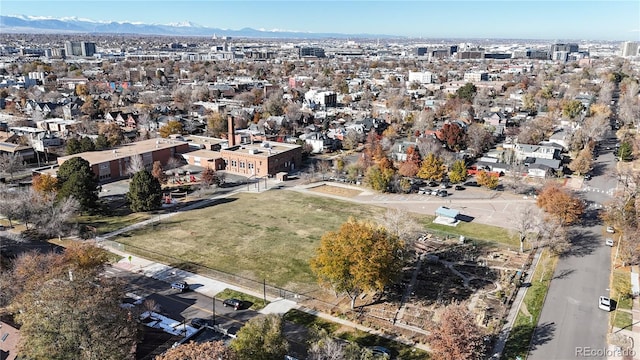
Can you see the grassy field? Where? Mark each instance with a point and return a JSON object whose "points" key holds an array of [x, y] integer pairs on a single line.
{"points": [[622, 319], [359, 337], [256, 303], [524, 325], [269, 236], [621, 289], [113, 221], [474, 231]]}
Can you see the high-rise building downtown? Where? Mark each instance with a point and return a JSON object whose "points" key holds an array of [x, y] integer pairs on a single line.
{"points": [[630, 48], [79, 48]]}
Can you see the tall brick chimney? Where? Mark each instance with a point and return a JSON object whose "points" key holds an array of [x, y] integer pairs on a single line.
{"points": [[231, 135]]}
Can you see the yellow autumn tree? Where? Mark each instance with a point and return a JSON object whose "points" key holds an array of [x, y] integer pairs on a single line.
{"points": [[172, 127], [487, 179], [432, 168], [359, 257], [45, 184]]}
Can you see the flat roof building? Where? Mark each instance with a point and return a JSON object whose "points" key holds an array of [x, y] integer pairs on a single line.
{"points": [[112, 164]]}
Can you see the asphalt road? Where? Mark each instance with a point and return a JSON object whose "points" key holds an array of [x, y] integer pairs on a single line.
{"points": [[189, 305], [570, 320]]}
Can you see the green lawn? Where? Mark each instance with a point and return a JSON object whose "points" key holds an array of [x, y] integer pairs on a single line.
{"points": [[113, 221], [271, 235], [524, 325], [474, 231], [621, 289], [256, 303], [310, 321], [622, 319]]}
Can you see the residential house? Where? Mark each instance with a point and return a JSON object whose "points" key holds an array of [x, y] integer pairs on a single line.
{"points": [[539, 151], [542, 167]]}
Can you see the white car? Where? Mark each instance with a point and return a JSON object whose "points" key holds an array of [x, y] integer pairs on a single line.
{"points": [[604, 303], [609, 242], [611, 230]]}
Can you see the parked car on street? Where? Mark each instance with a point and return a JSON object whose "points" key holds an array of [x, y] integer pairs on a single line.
{"points": [[611, 230], [182, 286], [604, 303], [609, 242], [200, 322], [472, 183], [234, 303], [458, 187]]}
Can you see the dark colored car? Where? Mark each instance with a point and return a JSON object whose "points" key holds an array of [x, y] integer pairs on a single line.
{"points": [[380, 352], [459, 187], [200, 322], [234, 303], [443, 193], [432, 184], [587, 176], [472, 183], [180, 285]]}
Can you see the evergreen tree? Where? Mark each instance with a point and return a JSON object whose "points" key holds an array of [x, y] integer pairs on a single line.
{"points": [[626, 151], [87, 145], [144, 192], [73, 146], [102, 142], [76, 178]]}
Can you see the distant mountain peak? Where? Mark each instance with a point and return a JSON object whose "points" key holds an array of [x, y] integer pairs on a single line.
{"points": [[50, 25]]}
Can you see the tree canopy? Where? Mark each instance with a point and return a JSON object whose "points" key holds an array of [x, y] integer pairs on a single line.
{"points": [[358, 257], [261, 338], [145, 192], [487, 179], [67, 311], [456, 336], [432, 168], [172, 127], [199, 351], [75, 178], [467, 92], [458, 172], [560, 204]]}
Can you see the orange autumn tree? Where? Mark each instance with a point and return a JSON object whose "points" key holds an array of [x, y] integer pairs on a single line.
{"points": [[45, 184], [199, 351], [560, 204], [456, 336], [410, 166], [359, 257]]}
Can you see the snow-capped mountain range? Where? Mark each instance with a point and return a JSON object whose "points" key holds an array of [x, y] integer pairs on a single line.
{"points": [[70, 25]]}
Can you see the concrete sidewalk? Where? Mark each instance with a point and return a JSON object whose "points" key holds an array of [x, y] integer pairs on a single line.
{"points": [[629, 338], [498, 348]]}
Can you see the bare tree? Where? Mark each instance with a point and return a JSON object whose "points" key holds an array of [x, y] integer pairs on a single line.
{"points": [[400, 223], [326, 349], [10, 164], [323, 167], [54, 219], [524, 223], [135, 164]]}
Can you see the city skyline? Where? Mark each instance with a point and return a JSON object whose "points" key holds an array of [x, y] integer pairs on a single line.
{"points": [[563, 20]]}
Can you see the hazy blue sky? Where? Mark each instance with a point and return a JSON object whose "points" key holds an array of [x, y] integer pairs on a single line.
{"points": [[588, 20]]}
